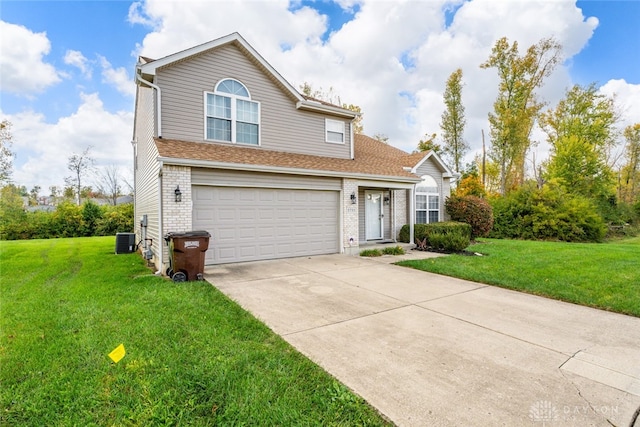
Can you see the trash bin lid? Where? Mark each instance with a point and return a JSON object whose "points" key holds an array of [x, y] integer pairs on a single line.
{"points": [[196, 233]]}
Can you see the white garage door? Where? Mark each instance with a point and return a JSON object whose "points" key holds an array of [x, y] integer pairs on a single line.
{"points": [[249, 224]]}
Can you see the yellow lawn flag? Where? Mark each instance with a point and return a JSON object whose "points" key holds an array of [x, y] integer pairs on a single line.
{"points": [[118, 353]]}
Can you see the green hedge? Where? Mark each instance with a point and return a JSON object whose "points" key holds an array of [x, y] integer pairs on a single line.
{"points": [[449, 236], [68, 220], [548, 213]]}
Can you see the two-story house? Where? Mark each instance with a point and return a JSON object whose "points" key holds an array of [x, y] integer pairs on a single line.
{"points": [[223, 143]]}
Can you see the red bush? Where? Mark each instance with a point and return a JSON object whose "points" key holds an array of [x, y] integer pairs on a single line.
{"points": [[474, 211]]}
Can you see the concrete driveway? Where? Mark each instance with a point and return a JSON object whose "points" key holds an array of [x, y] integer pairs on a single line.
{"points": [[430, 350]]}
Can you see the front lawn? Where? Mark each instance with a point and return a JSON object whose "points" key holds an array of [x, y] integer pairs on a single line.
{"points": [[602, 275], [193, 357]]}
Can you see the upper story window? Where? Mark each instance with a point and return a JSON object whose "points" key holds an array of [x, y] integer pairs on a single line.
{"points": [[427, 201], [334, 131], [231, 115]]}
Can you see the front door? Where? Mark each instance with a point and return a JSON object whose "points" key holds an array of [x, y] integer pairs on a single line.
{"points": [[373, 215]]}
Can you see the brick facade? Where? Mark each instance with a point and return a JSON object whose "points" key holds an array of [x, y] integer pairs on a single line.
{"points": [[350, 241], [401, 212], [177, 215]]}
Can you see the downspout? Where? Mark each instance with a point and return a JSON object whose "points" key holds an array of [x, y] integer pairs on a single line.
{"points": [[352, 141], [160, 236], [412, 214], [158, 104]]}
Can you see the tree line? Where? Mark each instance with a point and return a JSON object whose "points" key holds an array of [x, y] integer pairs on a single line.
{"points": [[75, 212], [592, 174], [588, 186]]}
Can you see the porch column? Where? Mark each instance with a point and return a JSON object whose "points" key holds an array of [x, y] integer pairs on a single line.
{"points": [[412, 213], [350, 234]]}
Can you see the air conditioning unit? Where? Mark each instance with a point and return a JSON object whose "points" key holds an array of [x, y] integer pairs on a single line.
{"points": [[125, 243]]}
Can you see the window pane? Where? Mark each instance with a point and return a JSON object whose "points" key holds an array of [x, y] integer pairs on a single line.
{"points": [[233, 87], [421, 217], [433, 202], [335, 137], [428, 185], [433, 216], [220, 106], [247, 133], [247, 111], [218, 129], [421, 202]]}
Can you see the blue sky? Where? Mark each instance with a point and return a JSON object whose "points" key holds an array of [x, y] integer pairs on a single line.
{"points": [[72, 85]]}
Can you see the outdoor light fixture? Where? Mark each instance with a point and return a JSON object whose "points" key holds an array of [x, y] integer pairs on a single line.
{"points": [[354, 200], [178, 194], [386, 200]]}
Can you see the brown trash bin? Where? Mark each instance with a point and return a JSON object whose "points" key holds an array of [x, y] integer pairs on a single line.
{"points": [[186, 255]]}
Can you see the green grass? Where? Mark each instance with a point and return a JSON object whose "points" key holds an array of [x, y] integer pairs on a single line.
{"points": [[193, 356], [602, 275]]}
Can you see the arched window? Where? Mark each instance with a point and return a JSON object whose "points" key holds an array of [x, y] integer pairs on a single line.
{"points": [[231, 115], [427, 201]]}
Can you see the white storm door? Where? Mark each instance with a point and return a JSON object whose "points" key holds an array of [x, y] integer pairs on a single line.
{"points": [[373, 215]]}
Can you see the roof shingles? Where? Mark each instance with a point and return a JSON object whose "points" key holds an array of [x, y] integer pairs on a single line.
{"points": [[372, 157]]}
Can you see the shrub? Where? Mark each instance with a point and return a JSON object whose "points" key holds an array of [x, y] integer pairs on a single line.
{"points": [[546, 214], [91, 215], [66, 220], [419, 232], [393, 250], [474, 211], [371, 252], [448, 242], [456, 235], [116, 219]]}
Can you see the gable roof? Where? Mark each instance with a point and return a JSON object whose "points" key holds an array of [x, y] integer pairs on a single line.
{"points": [[147, 69], [447, 173], [373, 159]]}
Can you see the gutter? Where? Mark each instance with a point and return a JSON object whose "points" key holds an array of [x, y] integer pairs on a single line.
{"points": [[322, 108]]}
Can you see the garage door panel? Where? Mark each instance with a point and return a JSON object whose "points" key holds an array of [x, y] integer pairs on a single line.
{"points": [[223, 214], [258, 223]]}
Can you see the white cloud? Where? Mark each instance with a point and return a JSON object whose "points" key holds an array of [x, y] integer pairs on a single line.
{"points": [[78, 60], [117, 77], [44, 148], [137, 16], [22, 69], [627, 98], [391, 58]]}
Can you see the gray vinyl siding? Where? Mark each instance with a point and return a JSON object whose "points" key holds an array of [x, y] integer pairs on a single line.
{"points": [[431, 168], [282, 126], [233, 178], [146, 168]]}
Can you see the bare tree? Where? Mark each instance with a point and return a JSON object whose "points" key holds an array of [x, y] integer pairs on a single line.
{"points": [[109, 183], [80, 165], [6, 155]]}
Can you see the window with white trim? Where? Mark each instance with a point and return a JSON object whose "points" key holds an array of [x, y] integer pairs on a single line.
{"points": [[231, 115], [334, 131], [427, 201]]}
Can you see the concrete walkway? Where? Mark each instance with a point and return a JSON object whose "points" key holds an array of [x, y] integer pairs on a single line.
{"points": [[430, 350]]}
